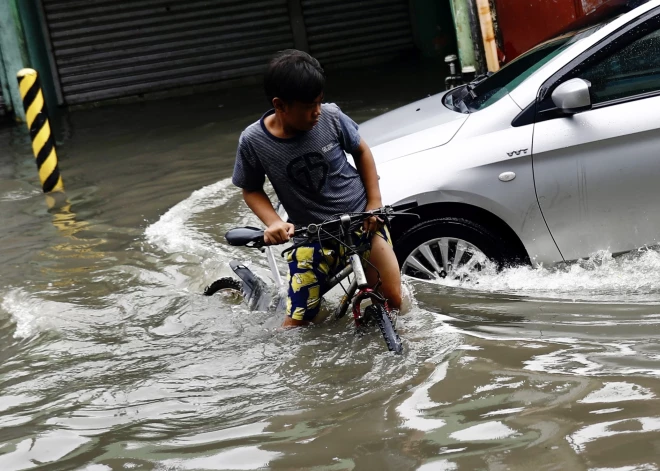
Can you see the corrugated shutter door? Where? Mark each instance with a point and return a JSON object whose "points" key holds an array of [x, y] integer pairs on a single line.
{"points": [[342, 31], [114, 48]]}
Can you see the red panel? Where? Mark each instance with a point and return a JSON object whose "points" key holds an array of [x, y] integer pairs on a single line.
{"points": [[525, 23], [589, 6]]}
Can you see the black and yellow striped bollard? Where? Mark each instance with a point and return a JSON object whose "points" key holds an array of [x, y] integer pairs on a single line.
{"points": [[43, 143]]}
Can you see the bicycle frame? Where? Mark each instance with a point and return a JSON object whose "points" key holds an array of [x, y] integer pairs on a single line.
{"points": [[359, 289], [359, 282], [253, 237]]}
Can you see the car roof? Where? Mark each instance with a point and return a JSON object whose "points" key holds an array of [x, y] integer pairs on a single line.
{"points": [[526, 92]]}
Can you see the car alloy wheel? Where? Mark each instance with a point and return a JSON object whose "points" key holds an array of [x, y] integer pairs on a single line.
{"points": [[444, 257], [451, 247]]}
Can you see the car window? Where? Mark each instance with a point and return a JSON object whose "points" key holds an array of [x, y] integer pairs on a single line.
{"points": [[634, 70], [520, 69], [485, 92], [527, 67]]}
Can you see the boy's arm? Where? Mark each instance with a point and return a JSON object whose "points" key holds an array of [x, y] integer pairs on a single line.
{"points": [[250, 176], [366, 167], [278, 231], [351, 142]]}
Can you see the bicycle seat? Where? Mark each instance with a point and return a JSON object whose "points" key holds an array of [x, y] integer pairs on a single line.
{"points": [[245, 236]]}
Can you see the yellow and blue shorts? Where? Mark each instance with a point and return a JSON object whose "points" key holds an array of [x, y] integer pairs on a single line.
{"points": [[311, 264]]}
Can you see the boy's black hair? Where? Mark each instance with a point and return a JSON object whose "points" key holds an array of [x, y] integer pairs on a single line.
{"points": [[294, 75]]}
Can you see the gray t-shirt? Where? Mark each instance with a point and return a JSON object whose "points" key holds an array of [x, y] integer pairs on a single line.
{"points": [[310, 173]]}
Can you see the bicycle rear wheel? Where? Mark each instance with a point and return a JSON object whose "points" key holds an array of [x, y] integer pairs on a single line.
{"points": [[227, 283], [380, 315]]}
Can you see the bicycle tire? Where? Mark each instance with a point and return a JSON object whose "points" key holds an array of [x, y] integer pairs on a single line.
{"points": [[226, 283], [388, 330]]}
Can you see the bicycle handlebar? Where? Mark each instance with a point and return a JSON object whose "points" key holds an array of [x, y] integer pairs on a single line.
{"points": [[253, 237], [349, 219]]}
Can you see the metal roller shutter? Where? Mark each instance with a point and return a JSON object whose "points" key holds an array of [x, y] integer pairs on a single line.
{"points": [[114, 48], [342, 31]]}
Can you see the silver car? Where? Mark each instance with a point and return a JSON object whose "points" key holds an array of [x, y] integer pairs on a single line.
{"points": [[551, 159]]}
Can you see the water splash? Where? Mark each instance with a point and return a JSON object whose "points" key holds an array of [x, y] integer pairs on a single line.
{"points": [[26, 311], [602, 277], [174, 231]]}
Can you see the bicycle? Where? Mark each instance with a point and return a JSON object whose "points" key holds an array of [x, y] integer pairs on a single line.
{"points": [[340, 229]]}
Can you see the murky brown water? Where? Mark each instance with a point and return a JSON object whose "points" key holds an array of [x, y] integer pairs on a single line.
{"points": [[112, 360]]}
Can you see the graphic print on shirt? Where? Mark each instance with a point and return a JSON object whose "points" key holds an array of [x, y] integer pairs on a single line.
{"points": [[308, 172], [329, 147]]}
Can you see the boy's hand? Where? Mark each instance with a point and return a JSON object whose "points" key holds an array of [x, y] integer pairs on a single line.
{"points": [[373, 224], [278, 232]]}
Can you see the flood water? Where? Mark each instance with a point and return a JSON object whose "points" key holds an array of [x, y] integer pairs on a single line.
{"points": [[111, 359]]}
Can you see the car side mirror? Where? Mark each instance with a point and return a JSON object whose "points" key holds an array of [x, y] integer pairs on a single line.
{"points": [[572, 96]]}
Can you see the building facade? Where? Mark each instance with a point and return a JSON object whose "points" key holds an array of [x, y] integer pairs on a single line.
{"points": [[94, 50], [105, 49]]}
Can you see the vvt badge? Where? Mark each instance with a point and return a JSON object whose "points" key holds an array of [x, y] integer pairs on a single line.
{"points": [[309, 172]]}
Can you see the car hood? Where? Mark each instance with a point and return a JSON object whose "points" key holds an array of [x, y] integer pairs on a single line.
{"points": [[412, 128]]}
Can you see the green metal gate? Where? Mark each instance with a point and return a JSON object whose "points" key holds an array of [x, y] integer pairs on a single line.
{"points": [[3, 109]]}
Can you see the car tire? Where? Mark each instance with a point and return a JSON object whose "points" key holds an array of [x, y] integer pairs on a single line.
{"points": [[455, 234]]}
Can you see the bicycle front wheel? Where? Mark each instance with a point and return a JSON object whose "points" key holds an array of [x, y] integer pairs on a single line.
{"points": [[388, 330]]}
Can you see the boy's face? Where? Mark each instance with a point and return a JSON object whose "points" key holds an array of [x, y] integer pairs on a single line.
{"points": [[298, 115]]}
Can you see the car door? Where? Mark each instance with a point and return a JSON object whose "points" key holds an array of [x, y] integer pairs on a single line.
{"points": [[597, 172]]}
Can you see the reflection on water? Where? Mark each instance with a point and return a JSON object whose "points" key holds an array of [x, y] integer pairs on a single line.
{"points": [[112, 359]]}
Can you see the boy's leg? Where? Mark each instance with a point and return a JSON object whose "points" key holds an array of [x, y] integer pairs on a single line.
{"points": [[308, 271], [290, 322], [383, 258]]}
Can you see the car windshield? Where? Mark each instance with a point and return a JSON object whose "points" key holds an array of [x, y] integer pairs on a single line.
{"points": [[486, 90]]}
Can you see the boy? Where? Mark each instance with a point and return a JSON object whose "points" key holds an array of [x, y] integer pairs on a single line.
{"points": [[299, 145]]}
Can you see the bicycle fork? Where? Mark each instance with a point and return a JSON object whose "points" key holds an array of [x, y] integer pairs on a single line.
{"points": [[359, 282]]}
